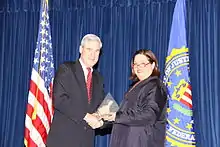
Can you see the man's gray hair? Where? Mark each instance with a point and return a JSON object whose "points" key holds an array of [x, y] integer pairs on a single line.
{"points": [[91, 37]]}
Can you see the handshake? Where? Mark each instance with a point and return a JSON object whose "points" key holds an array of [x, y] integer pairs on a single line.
{"points": [[96, 120], [106, 111]]}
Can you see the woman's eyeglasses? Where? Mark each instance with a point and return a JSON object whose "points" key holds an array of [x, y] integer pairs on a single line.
{"points": [[141, 65]]}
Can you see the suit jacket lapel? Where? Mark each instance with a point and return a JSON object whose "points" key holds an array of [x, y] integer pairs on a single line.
{"points": [[80, 78]]}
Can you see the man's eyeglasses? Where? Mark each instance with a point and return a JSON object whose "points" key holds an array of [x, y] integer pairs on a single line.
{"points": [[141, 65]]}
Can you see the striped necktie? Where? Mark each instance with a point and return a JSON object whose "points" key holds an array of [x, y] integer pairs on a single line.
{"points": [[89, 84]]}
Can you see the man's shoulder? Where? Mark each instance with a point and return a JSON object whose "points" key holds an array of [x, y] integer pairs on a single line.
{"points": [[69, 64], [66, 67]]}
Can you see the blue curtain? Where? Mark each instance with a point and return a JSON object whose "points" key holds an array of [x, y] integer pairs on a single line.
{"points": [[124, 26], [205, 69]]}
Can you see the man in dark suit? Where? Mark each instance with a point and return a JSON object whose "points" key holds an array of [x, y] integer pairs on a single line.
{"points": [[78, 91]]}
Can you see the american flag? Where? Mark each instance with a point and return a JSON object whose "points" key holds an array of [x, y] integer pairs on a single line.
{"points": [[39, 111]]}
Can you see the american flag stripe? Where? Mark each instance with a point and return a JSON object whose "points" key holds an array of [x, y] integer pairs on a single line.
{"points": [[40, 99], [188, 96], [186, 103], [39, 111], [187, 99], [28, 139], [189, 87], [188, 93], [33, 133], [37, 80], [37, 123], [41, 124]]}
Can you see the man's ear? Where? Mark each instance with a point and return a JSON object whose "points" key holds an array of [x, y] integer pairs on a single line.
{"points": [[80, 49]]}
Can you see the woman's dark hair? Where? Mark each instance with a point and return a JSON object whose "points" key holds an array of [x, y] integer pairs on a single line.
{"points": [[151, 58]]}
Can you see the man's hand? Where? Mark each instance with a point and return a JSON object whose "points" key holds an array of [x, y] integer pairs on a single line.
{"points": [[93, 120], [96, 125], [97, 115]]}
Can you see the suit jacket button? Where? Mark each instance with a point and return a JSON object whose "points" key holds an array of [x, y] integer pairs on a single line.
{"points": [[85, 128]]}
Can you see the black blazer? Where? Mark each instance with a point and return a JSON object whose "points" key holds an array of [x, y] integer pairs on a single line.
{"points": [[141, 119], [68, 128]]}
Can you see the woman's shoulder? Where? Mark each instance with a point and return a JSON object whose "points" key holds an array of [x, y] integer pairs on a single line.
{"points": [[153, 82]]}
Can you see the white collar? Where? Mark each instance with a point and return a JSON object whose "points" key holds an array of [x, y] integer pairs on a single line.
{"points": [[85, 71]]}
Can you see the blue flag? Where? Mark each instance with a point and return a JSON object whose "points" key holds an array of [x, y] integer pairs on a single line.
{"points": [[180, 127]]}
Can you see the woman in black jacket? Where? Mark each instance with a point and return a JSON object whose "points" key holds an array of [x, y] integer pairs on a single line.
{"points": [[141, 119]]}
